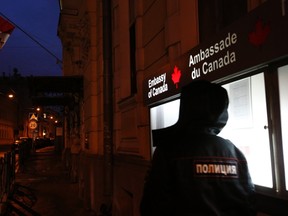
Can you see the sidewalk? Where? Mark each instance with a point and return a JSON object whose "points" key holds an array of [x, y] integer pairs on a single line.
{"points": [[45, 175]]}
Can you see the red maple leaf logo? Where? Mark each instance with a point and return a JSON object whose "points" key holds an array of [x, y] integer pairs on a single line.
{"points": [[260, 33], [176, 76]]}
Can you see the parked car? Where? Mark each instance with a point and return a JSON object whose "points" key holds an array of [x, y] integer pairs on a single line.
{"points": [[22, 141]]}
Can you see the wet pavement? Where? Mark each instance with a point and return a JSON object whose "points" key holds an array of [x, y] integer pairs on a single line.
{"points": [[46, 178]]}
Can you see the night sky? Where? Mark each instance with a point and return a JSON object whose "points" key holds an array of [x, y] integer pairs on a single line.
{"points": [[39, 19]]}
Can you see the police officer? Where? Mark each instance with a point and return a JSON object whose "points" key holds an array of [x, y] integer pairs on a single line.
{"points": [[194, 171]]}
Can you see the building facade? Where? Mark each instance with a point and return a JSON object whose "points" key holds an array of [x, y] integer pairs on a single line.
{"points": [[135, 56], [14, 96], [8, 119]]}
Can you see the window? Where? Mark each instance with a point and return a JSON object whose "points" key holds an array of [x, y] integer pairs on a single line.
{"points": [[164, 115], [283, 94], [132, 34], [214, 15], [247, 126], [133, 59], [263, 141]]}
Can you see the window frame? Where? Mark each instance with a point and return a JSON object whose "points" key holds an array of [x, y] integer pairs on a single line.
{"points": [[270, 72]]}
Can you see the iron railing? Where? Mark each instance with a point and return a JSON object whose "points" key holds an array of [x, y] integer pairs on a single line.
{"points": [[9, 164]]}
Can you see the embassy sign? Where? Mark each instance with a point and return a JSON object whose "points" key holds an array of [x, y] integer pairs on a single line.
{"points": [[157, 85], [255, 40], [205, 59]]}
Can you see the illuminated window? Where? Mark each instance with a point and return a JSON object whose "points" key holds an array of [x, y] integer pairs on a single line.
{"points": [[164, 115], [247, 126], [283, 93]]}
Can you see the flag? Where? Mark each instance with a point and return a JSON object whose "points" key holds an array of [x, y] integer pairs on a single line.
{"points": [[6, 29]]}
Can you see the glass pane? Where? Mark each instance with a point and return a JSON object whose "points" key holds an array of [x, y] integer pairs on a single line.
{"points": [[283, 92], [164, 115], [246, 126]]}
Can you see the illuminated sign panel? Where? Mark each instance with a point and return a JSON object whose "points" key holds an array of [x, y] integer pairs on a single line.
{"points": [[256, 39], [202, 57], [157, 85]]}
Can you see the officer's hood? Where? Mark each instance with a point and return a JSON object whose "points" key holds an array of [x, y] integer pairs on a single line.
{"points": [[203, 109]]}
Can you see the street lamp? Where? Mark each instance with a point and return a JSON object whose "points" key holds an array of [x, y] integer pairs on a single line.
{"points": [[10, 95]]}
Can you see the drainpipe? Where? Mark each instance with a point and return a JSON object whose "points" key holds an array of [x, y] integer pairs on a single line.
{"points": [[108, 98]]}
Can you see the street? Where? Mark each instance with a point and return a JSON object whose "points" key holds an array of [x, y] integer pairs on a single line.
{"points": [[44, 174]]}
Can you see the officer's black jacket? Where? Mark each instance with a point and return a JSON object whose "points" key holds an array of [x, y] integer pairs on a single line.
{"points": [[194, 171]]}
